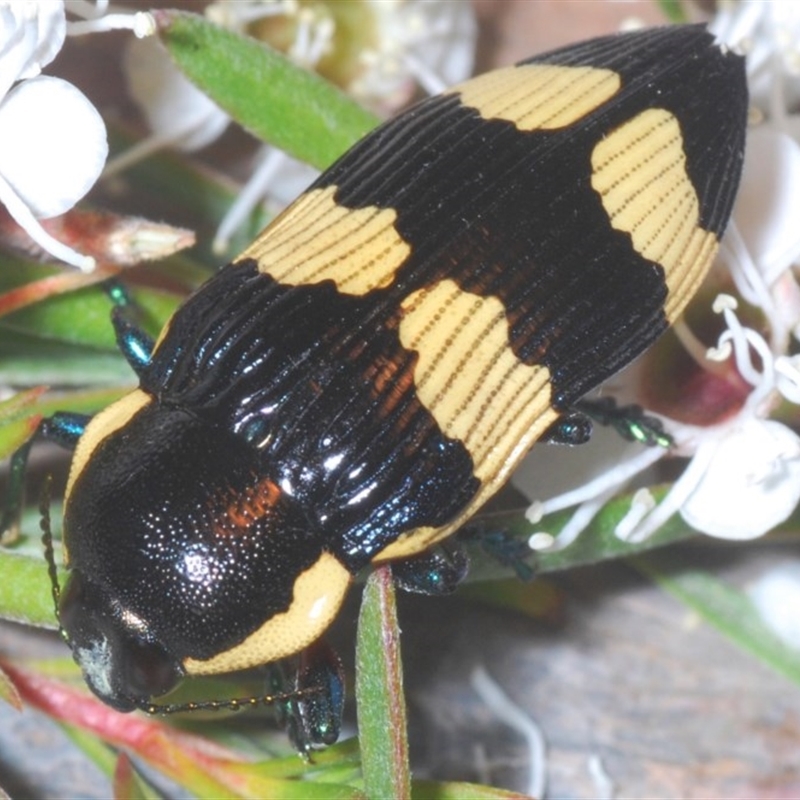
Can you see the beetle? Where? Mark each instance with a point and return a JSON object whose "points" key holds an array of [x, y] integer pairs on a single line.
{"points": [[354, 386]]}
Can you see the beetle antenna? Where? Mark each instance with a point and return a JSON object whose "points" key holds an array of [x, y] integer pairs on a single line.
{"points": [[47, 541], [234, 704]]}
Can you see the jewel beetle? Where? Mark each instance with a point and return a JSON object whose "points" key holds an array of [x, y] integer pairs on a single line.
{"points": [[371, 369]]}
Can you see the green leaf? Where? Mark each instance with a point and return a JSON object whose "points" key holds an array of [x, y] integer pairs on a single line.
{"points": [[342, 755], [673, 10], [26, 360], [726, 608], [128, 784], [82, 317], [432, 790], [600, 541], [9, 693], [18, 420], [92, 747], [17, 429], [25, 594], [294, 109], [379, 691]]}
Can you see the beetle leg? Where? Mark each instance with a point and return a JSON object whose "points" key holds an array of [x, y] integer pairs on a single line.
{"points": [[629, 421], [572, 428], [133, 342], [64, 429], [436, 572], [311, 718], [507, 550], [318, 716]]}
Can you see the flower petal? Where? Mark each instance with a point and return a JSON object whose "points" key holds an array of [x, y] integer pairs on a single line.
{"points": [[31, 35], [52, 144], [768, 205], [752, 482], [776, 595]]}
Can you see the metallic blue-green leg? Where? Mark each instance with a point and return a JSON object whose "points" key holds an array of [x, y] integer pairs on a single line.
{"points": [[318, 709], [507, 550], [63, 429], [630, 422], [437, 572], [312, 714], [572, 428], [133, 342]]}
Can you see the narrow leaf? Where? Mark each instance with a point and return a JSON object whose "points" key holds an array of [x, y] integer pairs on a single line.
{"points": [[598, 542], [83, 316], [379, 692], [14, 432], [20, 404], [26, 361], [8, 692], [93, 748], [673, 10], [25, 594], [290, 107], [206, 769], [113, 240], [431, 790], [342, 755], [726, 608], [128, 785], [181, 756], [33, 292]]}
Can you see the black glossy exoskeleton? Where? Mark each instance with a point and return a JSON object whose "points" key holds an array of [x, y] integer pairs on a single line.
{"points": [[373, 367]]}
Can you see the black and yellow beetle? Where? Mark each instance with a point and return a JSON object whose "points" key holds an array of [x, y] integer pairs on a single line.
{"points": [[372, 368]]}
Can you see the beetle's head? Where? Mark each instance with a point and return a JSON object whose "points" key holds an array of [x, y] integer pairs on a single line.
{"points": [[184, 556], [121, 662]]}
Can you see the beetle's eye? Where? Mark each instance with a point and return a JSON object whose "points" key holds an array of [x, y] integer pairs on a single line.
{"points": [[148, 670], [120, 665]]}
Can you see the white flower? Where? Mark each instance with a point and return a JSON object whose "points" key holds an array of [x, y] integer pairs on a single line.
{"points": [[43, 172], [768, 31], [50, 173], [751, 481], [180, 115], [31, 35], [52, 140], [743, 477], [776, 596]]}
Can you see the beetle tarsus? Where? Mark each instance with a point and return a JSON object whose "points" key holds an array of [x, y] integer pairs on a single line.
{"points": [[631, 421], [437, 572]]}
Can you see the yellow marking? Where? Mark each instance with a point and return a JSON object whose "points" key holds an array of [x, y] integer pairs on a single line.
{"points": [[100, 427], [639, 171], [162, 334], [539, 96], [474, 386], [315, 239], [318, 595]]}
